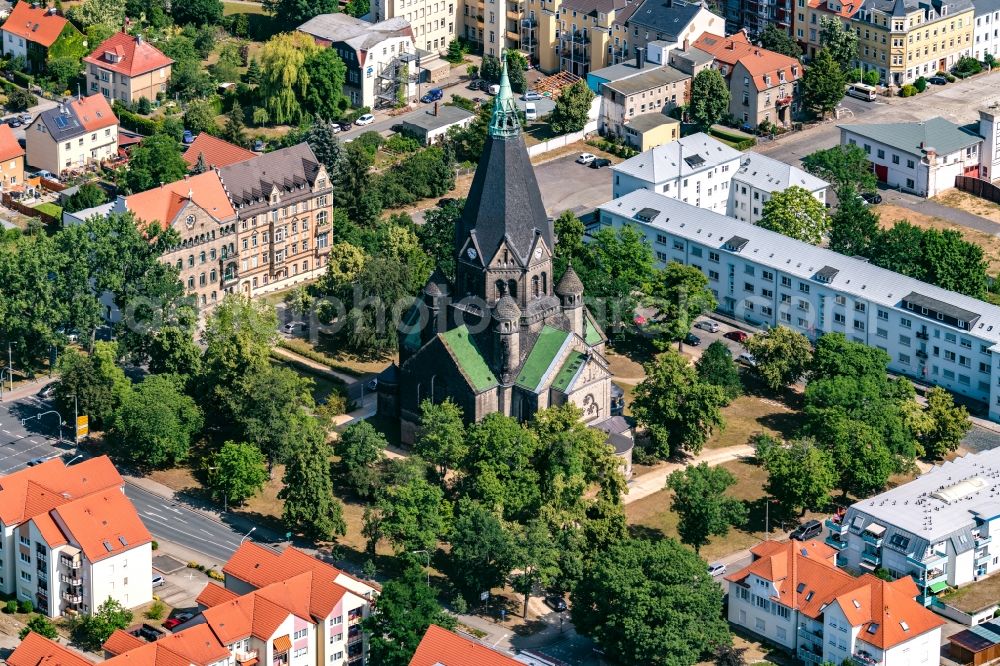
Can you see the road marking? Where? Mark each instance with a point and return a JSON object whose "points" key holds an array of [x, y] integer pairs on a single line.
{"points": [[8, 432]]}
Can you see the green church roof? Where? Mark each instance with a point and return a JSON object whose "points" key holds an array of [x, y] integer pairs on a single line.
{"points": [[469, 359], [569, 371], [591, 334], [543, 354]]}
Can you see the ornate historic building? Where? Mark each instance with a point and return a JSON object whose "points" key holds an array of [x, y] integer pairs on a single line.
{"points": [[504, 337]]}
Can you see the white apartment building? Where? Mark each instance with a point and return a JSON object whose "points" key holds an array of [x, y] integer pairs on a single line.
{"points": [[986, 31], [921, 157], [938, 528], [70, 539], [759, 177], [696, 169], [793, 594], [432, 21], [767, 279]]}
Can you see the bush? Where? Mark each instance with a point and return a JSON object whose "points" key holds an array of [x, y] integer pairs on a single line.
{"points": [[26, 606], [855, 75], [216, 575], [135, 122], [920, 84], [10, 606], [908, 90], [951, 78], [156, 611], [22, 79], [872, 78], [399, 143], [968, 65], [156, 544]]}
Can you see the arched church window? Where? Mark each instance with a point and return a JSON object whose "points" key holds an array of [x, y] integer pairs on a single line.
{"points": [[545, 284], [512, 288], [534, 286]]}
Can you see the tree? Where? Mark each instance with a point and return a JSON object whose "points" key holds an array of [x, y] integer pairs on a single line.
{"points": [[617, 265], [91, 631], [20, 100], [361, 449], [156, 160], [196, 12], [860, 453], [406, 607], [86, 196], [795, 212], [800, 475], [836, 356], [344, 265], [109, 14], [284, 78], [954, 263], [839, 41], [775, 39], [411, 515], [947, 423], [716, 367], [327, 148], [235, 131], [680, 294], [572, 109], [483, 551], [441, 438], [709, 98], [324, 98], [823, 84], [97, 382], [200, 117], [516, 64], [490, 69], [359, 8], [727, 655], [273, 412], [678, 410], [42, 626], [781, 356], [569, 231], [854, 228], [437, 235], [237, 472], [310, 506], [292, 13], [227, 67], [702, 507], [253, 74], [456, 54], [650, 602], [173, 350], [498, 468], [536, 558], [155, 423]]}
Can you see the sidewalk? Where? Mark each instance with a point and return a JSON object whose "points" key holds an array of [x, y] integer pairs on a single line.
{"points": [[655, 480], [27, 388]]}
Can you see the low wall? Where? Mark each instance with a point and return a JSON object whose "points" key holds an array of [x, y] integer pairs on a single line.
{"points": [[562, 141], [962, 617]]}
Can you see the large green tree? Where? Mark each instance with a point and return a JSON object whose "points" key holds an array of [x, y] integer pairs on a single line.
{"points": [[844, 167], [156, 422], [285, 79], [678, 410], [775, 39], [537, 559], [91, 631], [854, 227], [87, 195], [498, 469], [823, 84], [156, 160], [93, 385], [795, 212], [700, 502], [324, 98], [237, 472], [196, 12], [781, 356], [946, 424], [40, 625], [361, 449], [293, 13], [441, 438], [437, 235], [483, 551], [411, 516], [839, 40], [172, 350], [715, 366], [650, 602], [310, 505], [680, 294], [709, 98], [572, 108], [275, 406], [800, 475], [617, 265]]}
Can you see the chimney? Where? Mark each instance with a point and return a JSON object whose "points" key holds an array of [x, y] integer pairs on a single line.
{"points": [[687, 43], [138, 39]]}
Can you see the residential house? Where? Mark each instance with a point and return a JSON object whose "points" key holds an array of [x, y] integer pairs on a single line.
{"points": [[11, 160], [695, 168], [36, 650], [656, 90], [71, 539], [128, 68], [32, 30], [986, 34], [284, 207], [763, 85], [73, 135], [809, 14], [440, 647], [195, 646], [793, 594], [432, 22], [938, 528], [754, 15], [494, 25], [936, 336], [662, 25], [199, 210], [211, 152], [759, 177], [905, 39], [920, 157], [431, 125], [650, 130]]}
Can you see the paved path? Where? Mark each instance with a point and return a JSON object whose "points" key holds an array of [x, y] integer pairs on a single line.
{"points": [[655, 480]]}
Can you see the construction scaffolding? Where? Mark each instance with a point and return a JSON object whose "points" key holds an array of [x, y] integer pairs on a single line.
{"points": [[387, 82], [551, 86]]}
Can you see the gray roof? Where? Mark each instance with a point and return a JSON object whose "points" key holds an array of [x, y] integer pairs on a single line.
{"points": [[903, 7], [593, 7], [622, 70], [771, 175], [986, 6], [447, 116], [667, 18], [62, 123], [693, 55], [647, 80], [252, 180], [648, 121], [361, 35], [660, 163], [855, 277], [914, 138]]}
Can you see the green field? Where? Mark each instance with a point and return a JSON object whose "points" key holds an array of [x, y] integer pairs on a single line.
{"points": [[50, 209]]}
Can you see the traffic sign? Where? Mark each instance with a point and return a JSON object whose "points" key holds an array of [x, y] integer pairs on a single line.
{"points": [[82, 426]]}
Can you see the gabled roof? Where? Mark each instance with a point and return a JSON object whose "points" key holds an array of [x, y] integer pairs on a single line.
{"points": [[121, 641], [287, 170], [128, 55], [469, 359], [214, 595], [34, 24], [726, 50], [540, 361], [216, 152], [34, 490], [103, 524], [9, 146], [194, 646], [440, 647], [77, 117], [759, 62], [36, 650], [257, 613], [683, 157], [771, 175], [917, 138], [668, 18], [356, 33], [162, 204]]}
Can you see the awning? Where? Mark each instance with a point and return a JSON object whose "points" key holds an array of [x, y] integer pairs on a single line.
{"points": [[875, 529], [938, 586], [282, 643], [250, 662]]}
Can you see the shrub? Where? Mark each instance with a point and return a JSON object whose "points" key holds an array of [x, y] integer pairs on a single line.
{"points": [[156, 544], [156, 611], [920, 84], [216, 575], [855, 75], [144, 107], [872, 78], [908, 90], [951, 78], [399, 143], [26, 606], [10, 606], [968, 65]]}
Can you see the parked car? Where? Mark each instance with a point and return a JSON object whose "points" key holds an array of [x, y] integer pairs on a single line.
{"points": [[171, 622], [714, 569], [26, 118], [13, 122], [476, 84], [47, 175], [586, 158], [709, 325], [188, 136], [806, 531], [432, 95], [292, 326], [600, 163], [158, 581], [747, 358], [873, 198], [556, 602], [692, 340], [184, 617], [258, 146], [49, 391], [366, 119], [530, 111], [937, 80], [737, 336], [532, 96], [36, 461]]}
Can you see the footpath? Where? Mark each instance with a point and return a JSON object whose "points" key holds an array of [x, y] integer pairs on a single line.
{"points": [[655, 480]]}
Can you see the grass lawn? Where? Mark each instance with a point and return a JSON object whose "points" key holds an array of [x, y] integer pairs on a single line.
{"points": [[50, 209], [230, 8], [752, 414], [975, 597]]}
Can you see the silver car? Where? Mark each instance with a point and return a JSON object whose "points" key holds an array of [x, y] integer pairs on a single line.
{"points": [[716, 569], [709, 325]]}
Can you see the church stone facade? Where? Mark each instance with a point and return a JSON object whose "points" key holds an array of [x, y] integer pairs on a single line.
{"points": [[503, 337]]}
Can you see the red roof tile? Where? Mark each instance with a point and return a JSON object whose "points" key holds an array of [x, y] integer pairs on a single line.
{"points": [[121, 641], [216, 152], [132, 55], [37, 489], [34, 24], [9, 147], [36, 650], [162, 204], [213, 595], [444, 648], [94, 112], [104, 524]]}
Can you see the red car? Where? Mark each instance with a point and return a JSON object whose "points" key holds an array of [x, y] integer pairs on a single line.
{"points": [[737, 336], [170, 623]]}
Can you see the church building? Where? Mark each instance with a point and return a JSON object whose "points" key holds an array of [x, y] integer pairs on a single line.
{"points": [[504, 336]]}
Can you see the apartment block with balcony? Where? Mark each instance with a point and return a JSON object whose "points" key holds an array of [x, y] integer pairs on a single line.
{"points": [[128, 68], [936, 336], [754, 15], [664, 25], [905, 39], [810, 13], [69, 540], [793, 594]]}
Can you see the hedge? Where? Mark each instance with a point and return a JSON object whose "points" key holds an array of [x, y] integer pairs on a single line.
{"points": [[734, 135], [303, 349], [22, 79], [135, 122]]}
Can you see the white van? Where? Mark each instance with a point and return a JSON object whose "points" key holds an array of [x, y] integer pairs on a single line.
{"points": [[862, 91], [530, 112]]}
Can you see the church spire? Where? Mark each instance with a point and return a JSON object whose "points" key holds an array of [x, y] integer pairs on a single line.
{"points": [[504, 121]]}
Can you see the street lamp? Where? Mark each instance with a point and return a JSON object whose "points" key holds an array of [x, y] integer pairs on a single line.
{"points": [[76, 428], [428, 555], [245, 536], [10, 364]]}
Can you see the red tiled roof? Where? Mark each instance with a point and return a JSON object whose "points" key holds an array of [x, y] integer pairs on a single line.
{"points": [[249, 615], [34, 24], [282, 643], [37, 489], [104, 524], [162, 204], [133, 55], [194, 646], [213, 595], [35, 650], [442, 647], [94, 112], [9, 147], [758, 62], [217, 153], [121, 641]]}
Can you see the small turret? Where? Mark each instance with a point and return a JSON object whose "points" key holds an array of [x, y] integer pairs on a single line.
{"points": [[570, 293], [507, 315]]}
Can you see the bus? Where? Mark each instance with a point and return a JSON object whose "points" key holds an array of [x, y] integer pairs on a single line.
{"points": [[862, 91]]}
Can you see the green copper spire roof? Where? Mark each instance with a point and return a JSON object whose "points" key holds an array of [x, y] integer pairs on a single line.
{"points": [[504, 121]]}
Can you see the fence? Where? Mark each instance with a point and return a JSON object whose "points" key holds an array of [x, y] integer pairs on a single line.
{"points": [[983, 189], [9, 202], [562, 141]]}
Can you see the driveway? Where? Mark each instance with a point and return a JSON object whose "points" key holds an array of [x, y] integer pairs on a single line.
{"points": [[566, 185]]}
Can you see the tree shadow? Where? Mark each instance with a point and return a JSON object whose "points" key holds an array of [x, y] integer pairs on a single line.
{"points": [[645, 533]]}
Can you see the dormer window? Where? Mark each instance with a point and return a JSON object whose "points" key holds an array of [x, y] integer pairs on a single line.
{"points": [[111, 56]]}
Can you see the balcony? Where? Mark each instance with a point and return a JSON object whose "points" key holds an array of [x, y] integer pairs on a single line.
{"points": [[982, 558], [810, 657], [243, 657], [865, 659], [835, 527], [70, 562], [923, 335], [983, 540], [873, 559], [921, 354], [354, 617], [873, 539], [71, 597], [73, 581], [835, 543], [810, 634]]}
